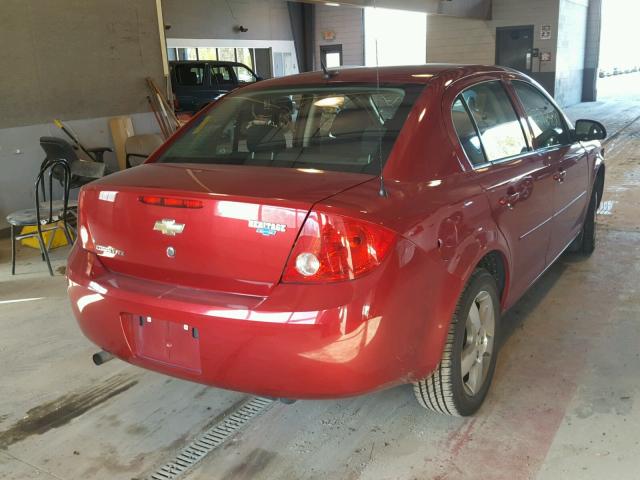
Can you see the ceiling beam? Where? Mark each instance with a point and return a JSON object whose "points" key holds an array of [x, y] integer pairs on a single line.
{"points": [[456, 8]]}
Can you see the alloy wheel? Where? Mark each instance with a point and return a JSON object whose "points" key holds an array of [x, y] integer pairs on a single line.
{"points": [[478, 343]]}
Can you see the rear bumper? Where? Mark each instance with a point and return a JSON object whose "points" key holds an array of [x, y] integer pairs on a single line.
{"points": [[316, 341]]}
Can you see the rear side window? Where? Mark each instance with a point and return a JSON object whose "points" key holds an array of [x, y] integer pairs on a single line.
{"points": [[220, 75], [350, 128], [546, 122], [190, 75], [467, 132], [496, 120]]}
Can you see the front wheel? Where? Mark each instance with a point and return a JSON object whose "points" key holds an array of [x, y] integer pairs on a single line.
{"points": [[460, 383], [585, 243]]}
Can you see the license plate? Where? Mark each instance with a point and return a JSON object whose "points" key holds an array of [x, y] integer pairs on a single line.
{"points": [[171, 343]]}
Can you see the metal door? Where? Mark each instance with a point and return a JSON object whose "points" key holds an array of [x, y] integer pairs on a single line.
{"points": [[263, 62], [514, 47]]}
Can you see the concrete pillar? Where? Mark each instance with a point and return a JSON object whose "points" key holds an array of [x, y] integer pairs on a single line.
{"points": [[592, 51]]}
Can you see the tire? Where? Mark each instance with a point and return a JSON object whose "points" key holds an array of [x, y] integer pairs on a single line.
{"points": [[446, 390], [585, 243]]}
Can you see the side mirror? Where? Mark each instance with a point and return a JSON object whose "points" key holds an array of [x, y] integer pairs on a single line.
{"points": [[587, 130]]}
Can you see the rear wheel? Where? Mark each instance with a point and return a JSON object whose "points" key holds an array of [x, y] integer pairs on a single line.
{"points": [[460, 383]]}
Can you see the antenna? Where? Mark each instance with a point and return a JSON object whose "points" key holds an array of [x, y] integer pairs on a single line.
{"points": [[382, 191], [327, 73]]}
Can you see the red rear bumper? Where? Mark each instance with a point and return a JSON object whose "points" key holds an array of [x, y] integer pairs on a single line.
{"points": [[311, 341]]}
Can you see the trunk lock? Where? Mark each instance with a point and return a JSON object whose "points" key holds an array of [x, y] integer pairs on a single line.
{"points": [[171, 252]]}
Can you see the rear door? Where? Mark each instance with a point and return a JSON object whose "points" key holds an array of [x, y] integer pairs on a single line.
{"points": [[191, 86], [568, 161], [517, 180], [222, 78]]}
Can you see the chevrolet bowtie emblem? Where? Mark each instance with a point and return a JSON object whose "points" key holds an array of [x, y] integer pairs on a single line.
{"points": [[169, 227]]}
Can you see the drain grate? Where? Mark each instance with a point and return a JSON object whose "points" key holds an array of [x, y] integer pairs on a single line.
{"points": [[606, 208], [212, 438]]}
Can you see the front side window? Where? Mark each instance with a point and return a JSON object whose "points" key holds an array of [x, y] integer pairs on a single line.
{"points": [[343, 128], [244, 75], [546, 122], [497, 122], [189, 74]]}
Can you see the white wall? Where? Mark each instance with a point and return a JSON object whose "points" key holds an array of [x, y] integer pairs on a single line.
{"points": [[572, 36]]}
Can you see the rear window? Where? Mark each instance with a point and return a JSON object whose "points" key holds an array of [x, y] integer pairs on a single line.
{"points": [[344, 128]]}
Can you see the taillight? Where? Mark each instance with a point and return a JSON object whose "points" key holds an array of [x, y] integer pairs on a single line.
{"points": [[170, 202], [83, 231], [332, 248]]}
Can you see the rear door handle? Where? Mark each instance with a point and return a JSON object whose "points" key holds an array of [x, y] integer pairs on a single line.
{"points": [[509, 200], [560, 175]]}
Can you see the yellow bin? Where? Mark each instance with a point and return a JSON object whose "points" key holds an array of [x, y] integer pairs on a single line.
{"points": [[59, 239]]}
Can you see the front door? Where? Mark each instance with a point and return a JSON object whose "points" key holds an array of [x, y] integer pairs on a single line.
{"points": [[567, 160], [514, 47]]}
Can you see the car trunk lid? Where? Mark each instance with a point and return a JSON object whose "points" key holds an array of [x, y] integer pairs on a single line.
{"points": [[233, 231]]}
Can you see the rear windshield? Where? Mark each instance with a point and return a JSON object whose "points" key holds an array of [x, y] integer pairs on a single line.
{"points": [[344, 128]]}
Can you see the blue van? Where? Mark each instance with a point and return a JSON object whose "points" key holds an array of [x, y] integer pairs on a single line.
{"points": [[196, 83]]}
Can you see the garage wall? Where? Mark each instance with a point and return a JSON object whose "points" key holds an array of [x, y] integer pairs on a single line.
{"points": [[75, 59], [82, 61], [209, 19], [348, 25], [473, 41], [446, 44], [572, 36]]}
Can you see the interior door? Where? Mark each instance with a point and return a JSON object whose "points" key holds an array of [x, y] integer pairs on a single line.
{"points": [[518, 182], [262, 59], [331, 55], [567, 160], [514, 47]]}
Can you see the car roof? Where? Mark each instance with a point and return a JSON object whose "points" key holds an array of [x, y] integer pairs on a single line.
{"points": [[409, 74]]}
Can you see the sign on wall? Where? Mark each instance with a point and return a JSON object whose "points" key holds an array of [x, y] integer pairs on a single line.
{"points": [[328, 35], [545, 32]]}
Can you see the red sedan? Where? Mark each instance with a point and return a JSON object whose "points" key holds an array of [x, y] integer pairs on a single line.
{"points": [[321, 236]]}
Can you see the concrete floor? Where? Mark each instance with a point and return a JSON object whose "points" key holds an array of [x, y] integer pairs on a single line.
{"points": [[565, 402]]}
